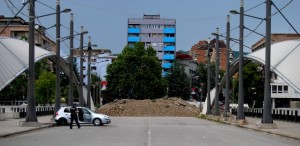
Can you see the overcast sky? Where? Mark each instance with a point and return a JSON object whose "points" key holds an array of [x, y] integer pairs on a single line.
{"points": [[106, 20]]}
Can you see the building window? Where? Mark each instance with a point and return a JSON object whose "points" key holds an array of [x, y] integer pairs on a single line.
{"points": [[274, 89], [279, 89], [93, 68], [285, 89]]}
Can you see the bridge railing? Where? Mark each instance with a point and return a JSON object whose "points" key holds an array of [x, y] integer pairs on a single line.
{"points": [[285, 114], [20, 112]]}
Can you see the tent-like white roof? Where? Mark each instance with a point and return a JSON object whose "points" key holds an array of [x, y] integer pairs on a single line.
{"points": [[284, 61], [14, 56]]}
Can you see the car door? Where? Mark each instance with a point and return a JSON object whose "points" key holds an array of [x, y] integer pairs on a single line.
{"points": [[87, 116], [67, 114]]}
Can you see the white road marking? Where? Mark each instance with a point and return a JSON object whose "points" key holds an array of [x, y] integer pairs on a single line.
{"points": [[149, 133]]}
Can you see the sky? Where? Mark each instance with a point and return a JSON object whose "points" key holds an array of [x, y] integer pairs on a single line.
{"points": [[106, 20]]}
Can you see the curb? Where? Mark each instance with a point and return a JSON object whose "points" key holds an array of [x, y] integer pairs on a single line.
{"points": [[254, 129], [29, 130], [269, 132]]}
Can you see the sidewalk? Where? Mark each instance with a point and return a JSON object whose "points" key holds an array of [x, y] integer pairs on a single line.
{"points": [[284, 128], [11, 126]]}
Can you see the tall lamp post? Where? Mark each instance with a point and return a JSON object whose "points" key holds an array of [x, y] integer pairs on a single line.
{"points": [[31, 111], [217, 105], [81, 101], [89, 74], [57, 91], [267, 114], [71, 99], [227, 67], [241, 115], [208, 111]]}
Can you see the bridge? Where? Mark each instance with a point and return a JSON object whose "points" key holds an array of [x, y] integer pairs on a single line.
{"points": [[14, 61], [284, 58]]}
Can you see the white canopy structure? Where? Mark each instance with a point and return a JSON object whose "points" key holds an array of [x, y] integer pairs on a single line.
{"points": [[284, 61], [14, 58]]}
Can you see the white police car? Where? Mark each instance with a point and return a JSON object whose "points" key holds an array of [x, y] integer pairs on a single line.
{"points": [[85, 116]]}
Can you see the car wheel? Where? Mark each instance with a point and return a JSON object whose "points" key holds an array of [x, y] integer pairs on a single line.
{"points": [[62, 122], [97, 122]]}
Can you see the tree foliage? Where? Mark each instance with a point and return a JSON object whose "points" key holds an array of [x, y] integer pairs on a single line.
{"points": [[201, 73], [253, 85], [45, 88], [178, 82], [136, 74]]}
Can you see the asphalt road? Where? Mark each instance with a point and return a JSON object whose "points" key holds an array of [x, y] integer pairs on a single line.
{"points": [[149, 131]]}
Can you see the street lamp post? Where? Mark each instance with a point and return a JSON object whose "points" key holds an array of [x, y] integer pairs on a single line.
{"points": [[71, 99], [241, 115], [31, 111], [227, 67], [81, 101], [267, 114], [57, 91], [89, 75], [217, 105], [208, 111]]}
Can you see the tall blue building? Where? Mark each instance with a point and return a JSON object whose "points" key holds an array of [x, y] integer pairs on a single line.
{"points": [[159, 33]]}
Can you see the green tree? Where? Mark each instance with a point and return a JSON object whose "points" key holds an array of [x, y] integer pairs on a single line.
{"points": [[253, 85], [136, 74], [178, 82], [45, 88], [201, 72]]}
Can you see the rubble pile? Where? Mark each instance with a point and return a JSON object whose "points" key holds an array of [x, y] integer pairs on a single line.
{"points": [[169, 107]]}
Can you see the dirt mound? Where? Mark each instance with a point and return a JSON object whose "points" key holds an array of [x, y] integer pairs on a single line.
{"points": [[156, 107]]}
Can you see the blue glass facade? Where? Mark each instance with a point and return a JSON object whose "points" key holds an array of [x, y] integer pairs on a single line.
{"points": [[133, 30], [167, 65], [133, 39], [168, 57], [169, 30], [169, 48], [169, 39]]}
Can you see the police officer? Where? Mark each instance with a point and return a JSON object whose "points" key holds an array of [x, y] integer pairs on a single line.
{"points": [[74, 116]]}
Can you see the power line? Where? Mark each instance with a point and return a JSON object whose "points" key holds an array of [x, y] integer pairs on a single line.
{"points": [[46, 5], [13, 18], [12, 11], [17, 8], [286, 18], [282, 7], [255, 6]]}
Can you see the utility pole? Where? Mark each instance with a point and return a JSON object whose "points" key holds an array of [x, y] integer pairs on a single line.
{"points": [[217, 105], [71, 99], [89, 74], [31, 111], [227, 66], [240, 113], [267, 115], [57, 91], [81, 101], [208, 111]]}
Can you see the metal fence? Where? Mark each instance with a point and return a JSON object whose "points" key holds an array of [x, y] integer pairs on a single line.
{"points": [[292, 115], [20, 112]]}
